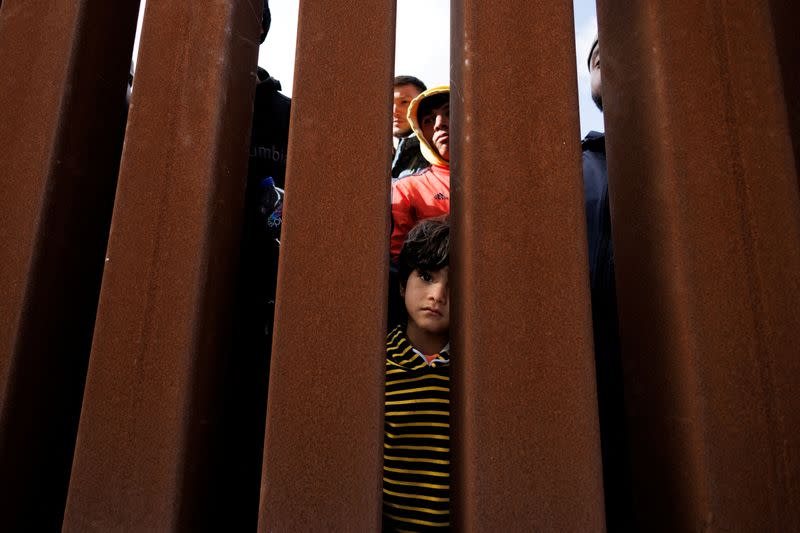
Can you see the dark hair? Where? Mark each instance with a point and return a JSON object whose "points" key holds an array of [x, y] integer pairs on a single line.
{"points": [[266, 20], [430, 103], [595, 44], [427, 247], [410, 80]]}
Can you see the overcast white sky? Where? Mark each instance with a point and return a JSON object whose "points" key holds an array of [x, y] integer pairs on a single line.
{"points": [[429, 61]]}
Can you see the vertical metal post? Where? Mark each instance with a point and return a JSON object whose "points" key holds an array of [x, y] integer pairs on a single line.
{"points": [[142, 459], [62, 110], [323, 448], [525, 429], [706, 222]]}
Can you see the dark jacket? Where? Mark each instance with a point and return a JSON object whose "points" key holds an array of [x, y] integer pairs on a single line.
{"points": [[601, 251], [408, 159], [261, 228], [262, 223], [270, 134], [244, 370], [608, 361]]}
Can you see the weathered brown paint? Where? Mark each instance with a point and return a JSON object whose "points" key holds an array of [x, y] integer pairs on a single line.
{"points": [[526, 431], [62, 110], [142, 459], [323, 448], [706, 223]]}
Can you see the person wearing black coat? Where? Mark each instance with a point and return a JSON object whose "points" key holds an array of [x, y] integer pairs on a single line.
{"points": [[247, 360], [608, 358]]}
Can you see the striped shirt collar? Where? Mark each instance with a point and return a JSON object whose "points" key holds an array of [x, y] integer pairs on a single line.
{"points": [[441, 358], [401, 352]]}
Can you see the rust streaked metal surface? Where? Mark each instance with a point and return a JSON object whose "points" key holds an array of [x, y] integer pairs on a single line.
{"points": [[62, 111], [142, 458], [324, 436], [785, 14], [526, 430], [706, 224]]}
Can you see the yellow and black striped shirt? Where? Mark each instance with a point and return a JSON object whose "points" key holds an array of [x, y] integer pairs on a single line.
{"points": [[416, 443]]}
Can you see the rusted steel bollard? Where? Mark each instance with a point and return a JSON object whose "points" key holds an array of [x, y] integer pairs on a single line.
{"points": [[525, 430], [62, 120], [706, 222], [143, 459], [324, 440]]}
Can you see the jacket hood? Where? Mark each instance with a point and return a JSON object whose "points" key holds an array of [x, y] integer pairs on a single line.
{"points": [[428, 152]]}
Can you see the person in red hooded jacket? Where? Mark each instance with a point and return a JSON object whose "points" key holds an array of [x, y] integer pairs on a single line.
{"points": [[427, 193]]}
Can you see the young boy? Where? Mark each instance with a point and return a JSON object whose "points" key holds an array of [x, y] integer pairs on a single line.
{"points": [[416, 460]]}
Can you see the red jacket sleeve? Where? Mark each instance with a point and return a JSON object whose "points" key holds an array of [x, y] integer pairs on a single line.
{"points": [[403, 216]]}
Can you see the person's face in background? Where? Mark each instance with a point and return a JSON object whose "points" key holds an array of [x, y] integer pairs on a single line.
{"points": [[403, 94], [596, 85], [435, 127]]}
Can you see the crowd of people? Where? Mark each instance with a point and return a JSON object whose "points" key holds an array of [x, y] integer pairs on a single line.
{"points": [[416, 426]]}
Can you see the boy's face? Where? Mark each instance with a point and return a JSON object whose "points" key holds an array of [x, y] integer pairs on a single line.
{"points": [[427, 298], [435, 125]]}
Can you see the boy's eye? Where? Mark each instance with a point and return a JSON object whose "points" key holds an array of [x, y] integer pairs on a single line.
{"points": [[425, 276]]}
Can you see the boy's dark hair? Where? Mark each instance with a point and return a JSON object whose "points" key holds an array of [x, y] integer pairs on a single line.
{"points": [[427, 247], [430, 103], [410, 80]]}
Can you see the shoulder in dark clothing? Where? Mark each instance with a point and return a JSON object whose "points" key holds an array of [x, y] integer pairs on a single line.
{"points": [[408, 159], [270, 133], [594, 141]]}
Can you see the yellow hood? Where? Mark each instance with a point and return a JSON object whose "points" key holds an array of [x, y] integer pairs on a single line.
{"points": [[428, 152]]}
